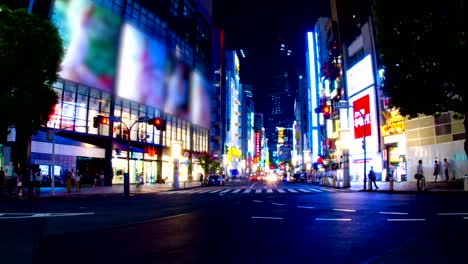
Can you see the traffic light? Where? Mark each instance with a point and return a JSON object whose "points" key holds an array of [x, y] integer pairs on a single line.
{"points": [[100, 120], [326, 110], [158, 122]]}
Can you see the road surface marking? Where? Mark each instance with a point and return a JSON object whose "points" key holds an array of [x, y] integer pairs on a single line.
{"points": [[236, 190], [405, 220], [328, 190], [251, 186], [314, 190], [333, 219], [304, 190], [204, 191], [269, 191], [393, 213], [247, 191], [214, 191], [452, 214], [292, 190], [39, 215], [466, 218], [225, 191], [257, 201], [306, 207], [280, 190], [277, 203], [2, 214], [345, 210], [258, 191], [266, 217]]}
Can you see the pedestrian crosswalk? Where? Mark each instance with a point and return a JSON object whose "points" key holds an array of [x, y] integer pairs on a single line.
{"points": [[252, 191]]}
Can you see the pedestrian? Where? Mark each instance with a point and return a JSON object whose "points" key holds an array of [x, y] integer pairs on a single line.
{"points": [[201, 179], [372, 178], [436, 170], [37, 182], [68, 181], [101, 178], [77, 181], [19, 184], [420, 184], [446, 170]]}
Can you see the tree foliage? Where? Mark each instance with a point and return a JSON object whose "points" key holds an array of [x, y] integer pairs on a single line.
{"points": [[207, 162], [423, 50], [30, 54]]}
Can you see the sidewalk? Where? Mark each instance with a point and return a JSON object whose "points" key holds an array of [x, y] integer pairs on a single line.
{"points": [[410, 187]]}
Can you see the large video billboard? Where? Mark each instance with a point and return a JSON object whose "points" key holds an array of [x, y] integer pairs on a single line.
{"points": [[90, 36], [142, 66]]}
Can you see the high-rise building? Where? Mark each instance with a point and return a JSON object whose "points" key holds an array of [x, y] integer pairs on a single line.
{"points": [[116, 62]]}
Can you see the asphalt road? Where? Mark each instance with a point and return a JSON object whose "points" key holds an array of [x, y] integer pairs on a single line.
{"points": [[204, 226]]}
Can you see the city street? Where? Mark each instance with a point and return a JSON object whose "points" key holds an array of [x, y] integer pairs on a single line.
{"points": [[200, 225]]}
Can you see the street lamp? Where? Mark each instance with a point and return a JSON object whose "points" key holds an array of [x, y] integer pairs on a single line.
{"points": [[176, 149], [127, 175], [344, 104], [225, 163]]}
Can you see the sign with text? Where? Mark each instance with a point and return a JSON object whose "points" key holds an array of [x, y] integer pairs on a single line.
{"points": [[362, 117]]}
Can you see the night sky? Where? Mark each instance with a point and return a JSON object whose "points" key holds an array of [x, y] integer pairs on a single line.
{"points": [[259, 26]]}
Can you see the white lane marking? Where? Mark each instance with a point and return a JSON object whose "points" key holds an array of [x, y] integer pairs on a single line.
{"points": [[258, 191], [269, 191], [39, 215], [452, 214], [466, 218], [236, 190], [277, 204], [393, 213], [328, 190], [225, 191], [2, 214], [292, 190], [405, 219], [214, 191], [257, 201], [280, 190], [333, 219], [304, 190], [315, 190], [305, 207], [204, 191], [247, 191], [251, 186], [344, 210], [266, 217]]}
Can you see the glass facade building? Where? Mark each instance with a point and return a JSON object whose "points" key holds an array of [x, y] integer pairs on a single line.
{"points": [[128, 60]]}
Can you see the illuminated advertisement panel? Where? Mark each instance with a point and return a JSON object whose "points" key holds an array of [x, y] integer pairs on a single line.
{"points": [[362, 117], [200, 102], [257, 144], [360, 76], [141, 72], [90, 35]]}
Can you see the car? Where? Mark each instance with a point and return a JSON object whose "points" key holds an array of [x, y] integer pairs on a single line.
{"points": [[216, 179], [255, 178]]}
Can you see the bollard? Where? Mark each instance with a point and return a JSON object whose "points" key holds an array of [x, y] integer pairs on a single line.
{"points": [[391, 183]]}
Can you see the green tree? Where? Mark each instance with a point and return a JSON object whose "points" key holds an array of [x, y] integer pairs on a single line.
{"points": [[207, 162], [422, 46], [30, 54]]}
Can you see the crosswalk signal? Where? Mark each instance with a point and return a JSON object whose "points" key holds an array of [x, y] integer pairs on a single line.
{"points": [[100, 120], [158, 122], [326, 110]]}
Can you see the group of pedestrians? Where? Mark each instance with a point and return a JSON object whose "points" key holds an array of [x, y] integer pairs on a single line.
{"points": [[421, 179]]}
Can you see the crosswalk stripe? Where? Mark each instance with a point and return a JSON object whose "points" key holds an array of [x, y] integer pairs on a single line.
{"points": [[280, 190], [204, 191], [269, 191], [247, 191], [258, 191], [236, 190], [225, 191], [214, 191], [328, 190], [315, 190], [292, 190], [304, 190]]}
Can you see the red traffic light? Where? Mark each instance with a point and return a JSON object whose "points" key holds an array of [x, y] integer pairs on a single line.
{"points": [[158, 122], [104, 120], [326, 109], [100, 120]]}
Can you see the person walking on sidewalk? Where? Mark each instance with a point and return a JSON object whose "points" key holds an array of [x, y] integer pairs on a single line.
{"points": [[37, 182], [446, 170], [77, 181], [68, 181], [372, 178], [420, 176], [436, 170]]}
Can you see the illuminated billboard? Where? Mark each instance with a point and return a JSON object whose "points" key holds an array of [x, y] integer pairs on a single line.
{"points": [[142, 65], [200, 102], [90, 35], [360, 76]]}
